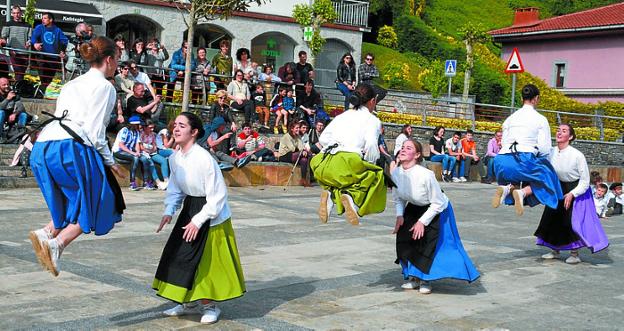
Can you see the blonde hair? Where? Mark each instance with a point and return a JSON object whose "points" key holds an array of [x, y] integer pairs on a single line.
{"points": [[221, 93]]}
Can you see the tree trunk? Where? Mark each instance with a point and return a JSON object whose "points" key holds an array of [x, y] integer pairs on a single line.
{"points": [[186, 95], [468, 72]]}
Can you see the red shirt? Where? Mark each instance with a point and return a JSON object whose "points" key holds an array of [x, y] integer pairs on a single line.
{"points": [[468, 146]]}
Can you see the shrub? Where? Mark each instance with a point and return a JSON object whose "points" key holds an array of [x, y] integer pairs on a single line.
{"points": [[396, 75], [387, 37], [416, 36]]}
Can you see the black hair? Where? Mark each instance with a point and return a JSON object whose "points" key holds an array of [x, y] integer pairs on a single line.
{"points": [[309, 82], [236, 73], [437, 129], [362, 94], [529, 92], [404, 129], [352, 63], [469, 131], [195, 123], [49, 15], [371, 55], [184, 41], [457, 133], [571, 129], [614, 185], [302, 53], [148, 122], [603, 186], [246, 125], [240, 52]]}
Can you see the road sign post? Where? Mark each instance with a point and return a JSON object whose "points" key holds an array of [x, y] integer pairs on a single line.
{"points": [[450, 70], [514, 66]]}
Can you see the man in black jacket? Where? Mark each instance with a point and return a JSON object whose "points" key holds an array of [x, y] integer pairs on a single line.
{"points": [[11, 108]]}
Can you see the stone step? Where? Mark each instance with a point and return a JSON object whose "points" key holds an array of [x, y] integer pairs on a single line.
{"points": [[15, 182], [7, 171]]}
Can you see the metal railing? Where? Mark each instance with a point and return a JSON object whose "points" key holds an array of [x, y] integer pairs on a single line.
{"points": [[351, 12], [23, 62]]}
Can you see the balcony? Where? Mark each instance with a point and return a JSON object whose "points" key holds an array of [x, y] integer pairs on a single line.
{"points": [[352, 12]]}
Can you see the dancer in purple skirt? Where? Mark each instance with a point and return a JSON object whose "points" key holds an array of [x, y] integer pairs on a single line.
{"points": [[574, 223]]}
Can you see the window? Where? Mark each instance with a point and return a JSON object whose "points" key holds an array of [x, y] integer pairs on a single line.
{"points": [[560, 72]]}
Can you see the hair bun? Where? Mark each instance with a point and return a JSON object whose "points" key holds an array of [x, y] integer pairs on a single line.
{"points": [[88, 51], [355, 99]]}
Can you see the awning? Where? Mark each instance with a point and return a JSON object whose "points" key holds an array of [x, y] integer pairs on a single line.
{"points": [[64, 11]]}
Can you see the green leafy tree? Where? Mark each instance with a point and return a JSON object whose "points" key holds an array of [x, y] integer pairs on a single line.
{"points": [[29, 14], [315, 15], [193, 10], [387, 37], [471, 34]]}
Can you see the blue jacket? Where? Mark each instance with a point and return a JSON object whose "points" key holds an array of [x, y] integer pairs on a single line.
{"points": [[52, 38], [177, 64]]}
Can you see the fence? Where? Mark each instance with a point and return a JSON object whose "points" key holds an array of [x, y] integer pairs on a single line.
{"points": [[26, 62]]}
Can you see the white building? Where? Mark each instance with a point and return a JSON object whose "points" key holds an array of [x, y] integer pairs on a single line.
{"points": [[268, 31]]}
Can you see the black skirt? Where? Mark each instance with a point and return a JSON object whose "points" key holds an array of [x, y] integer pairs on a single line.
{"points": [[555, 227], [120, 204], [180, 259], [419, 252]]}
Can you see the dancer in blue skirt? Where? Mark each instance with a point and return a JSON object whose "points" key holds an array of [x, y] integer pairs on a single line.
{"points": [[72, 162], [522, 168], [428, 244]]}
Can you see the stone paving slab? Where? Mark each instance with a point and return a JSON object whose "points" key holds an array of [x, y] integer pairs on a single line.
{"points": [[303, 275]]}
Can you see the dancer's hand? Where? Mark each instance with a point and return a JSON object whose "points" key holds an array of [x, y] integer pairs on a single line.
{"points": [[190, 232], [567, 200], [398, 224], [165, 220], [418, 230], [116, 168]]}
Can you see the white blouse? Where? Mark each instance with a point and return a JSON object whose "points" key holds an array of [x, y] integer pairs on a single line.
{"points": [[570, 165], [529, 129], [197, 174], [356, 131], [418, 186], [89, 101]]}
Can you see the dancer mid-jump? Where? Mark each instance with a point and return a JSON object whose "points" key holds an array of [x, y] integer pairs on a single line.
{"points": [[522, 168], [72, 162], [346, 167]]}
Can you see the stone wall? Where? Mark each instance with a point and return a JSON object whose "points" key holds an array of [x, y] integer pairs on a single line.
{"points": [[597, 153]]}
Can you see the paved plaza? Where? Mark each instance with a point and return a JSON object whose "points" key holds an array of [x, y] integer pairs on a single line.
{"points": [[301, 274]]}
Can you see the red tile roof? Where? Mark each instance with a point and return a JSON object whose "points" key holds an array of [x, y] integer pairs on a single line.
{"points": [[612, 15]]}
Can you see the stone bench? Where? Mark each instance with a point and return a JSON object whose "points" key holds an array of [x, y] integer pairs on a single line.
{"points": [[253, 174]]}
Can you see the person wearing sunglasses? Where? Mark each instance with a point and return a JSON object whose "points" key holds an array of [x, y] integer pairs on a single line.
{"points": [[367, 71], [345, 77]]}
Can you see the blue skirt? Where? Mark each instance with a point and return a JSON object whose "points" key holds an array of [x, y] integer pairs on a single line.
{"points": [[450, 260], [526, 168], [75, 186]]}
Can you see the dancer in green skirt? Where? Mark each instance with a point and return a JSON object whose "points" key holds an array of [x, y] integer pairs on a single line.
{"points": [[200, 263], [346, 168]]}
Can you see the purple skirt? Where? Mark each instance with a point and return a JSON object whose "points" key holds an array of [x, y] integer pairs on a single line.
{"points": [[585, 225]]}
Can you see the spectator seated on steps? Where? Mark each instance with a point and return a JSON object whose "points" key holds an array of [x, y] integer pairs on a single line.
{"points": [[292, 150], [249, 143], [222, 143], [12, 111], [469, 151], [616, 200], [141, 104]]}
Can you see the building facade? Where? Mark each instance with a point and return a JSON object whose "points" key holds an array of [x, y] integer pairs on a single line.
{"points": [[267, 31], [580, 54]]}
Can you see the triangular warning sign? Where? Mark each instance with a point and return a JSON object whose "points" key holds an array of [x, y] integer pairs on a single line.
{"points": [[450, 69], [514, 64]]}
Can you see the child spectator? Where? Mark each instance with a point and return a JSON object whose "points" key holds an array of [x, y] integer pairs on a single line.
{"points": [[600, 200], [127, 148], [259, 98], [289, 104], [149, 146], [616, 199], [251, 144], [277, 106], [454, 148], [594, 180]]}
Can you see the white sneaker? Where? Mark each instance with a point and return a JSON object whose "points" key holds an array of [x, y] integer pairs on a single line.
{"points": [[325, 206], [456, 180], [185, 309], [350, 209], [210, 314], [551, 255], [518, 196], [573, 259], [425, 287], [37, 238], [410, 285], [502, 192], [463, 179], [51, 254]]}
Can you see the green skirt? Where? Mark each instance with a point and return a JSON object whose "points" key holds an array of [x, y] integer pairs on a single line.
{"points": [[219, 275], [346, 172]]}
